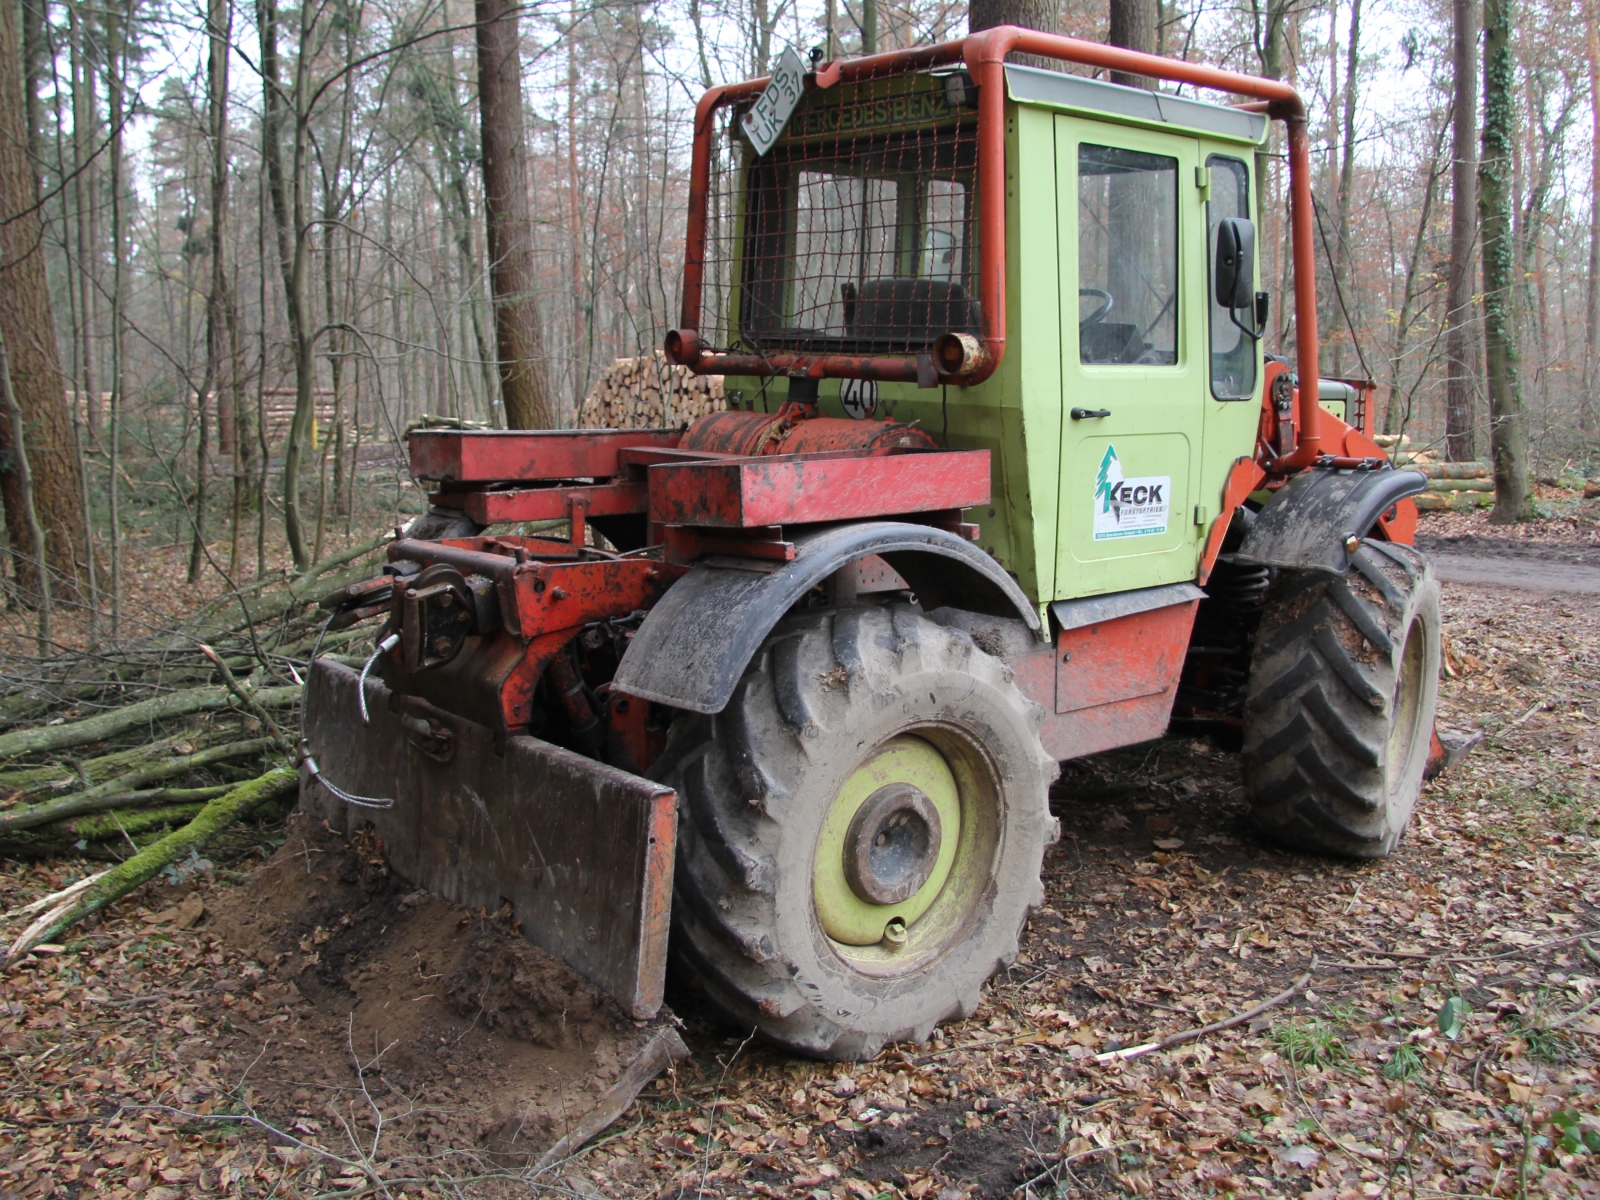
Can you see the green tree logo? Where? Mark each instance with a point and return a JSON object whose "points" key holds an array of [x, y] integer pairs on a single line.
{"points": [[1110, 476]]}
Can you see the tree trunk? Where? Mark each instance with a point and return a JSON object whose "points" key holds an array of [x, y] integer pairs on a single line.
{"points": [[1347, 160], [220, 19], [30, 515], [35, 49], [1459, 349], [1591, 324], [1043, 15], [512, 278], [1268, 28], [85, 121], [287, 190], [116, 65], [28, 326], [1508, 435], [868, 26], [1133, 27]]}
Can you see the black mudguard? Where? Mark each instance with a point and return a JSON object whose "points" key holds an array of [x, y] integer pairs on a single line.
{"points": [[1308, 521], [695, 644]]}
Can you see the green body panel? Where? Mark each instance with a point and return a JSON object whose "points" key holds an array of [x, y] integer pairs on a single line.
{"points": [[1165, 422]]}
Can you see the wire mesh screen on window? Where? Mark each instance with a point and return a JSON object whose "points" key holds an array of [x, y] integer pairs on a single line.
{"points": [[859, 241]]}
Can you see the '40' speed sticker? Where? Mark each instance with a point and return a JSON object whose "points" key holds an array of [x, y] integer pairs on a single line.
{"points": [[1129, 507]]}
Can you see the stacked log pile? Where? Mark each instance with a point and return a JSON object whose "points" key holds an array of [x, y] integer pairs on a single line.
{"points": [[648, 392], [1451, 485]]}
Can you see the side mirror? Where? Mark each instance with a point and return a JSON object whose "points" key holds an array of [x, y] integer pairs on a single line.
{"points": [[1233, 275]]}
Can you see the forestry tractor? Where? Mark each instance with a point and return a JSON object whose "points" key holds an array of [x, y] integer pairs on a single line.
{"points": [[1006, 478]]}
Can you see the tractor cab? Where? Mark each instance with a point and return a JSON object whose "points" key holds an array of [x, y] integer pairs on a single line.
{"points": [[1115, 381]]}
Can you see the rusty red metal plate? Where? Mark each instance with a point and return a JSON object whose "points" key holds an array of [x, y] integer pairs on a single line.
{"points": [[583, 851], [554, 503], [489, 456], [783, 491], [1122, 659]]}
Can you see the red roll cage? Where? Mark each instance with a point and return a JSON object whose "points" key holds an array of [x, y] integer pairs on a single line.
{"points": [[984, 55]]}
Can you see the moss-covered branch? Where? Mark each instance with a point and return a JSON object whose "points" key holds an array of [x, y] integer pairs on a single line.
{"points": [[123, 878], [119, 792], [97, 728]]}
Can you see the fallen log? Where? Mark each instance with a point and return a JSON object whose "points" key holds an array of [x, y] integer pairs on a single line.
{"points": [[39, 740], [112, 793], [119, 826], [1457, 483], [57, 776], [1460, 470], [144, 866]]}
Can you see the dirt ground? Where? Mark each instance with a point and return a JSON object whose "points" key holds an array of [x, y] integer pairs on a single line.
{"points": [[1445, 1043]]}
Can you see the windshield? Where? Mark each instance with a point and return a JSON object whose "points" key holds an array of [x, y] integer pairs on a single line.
{"points": [[867, 246]]}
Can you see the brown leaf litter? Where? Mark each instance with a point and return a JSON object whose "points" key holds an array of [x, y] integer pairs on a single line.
{"points": [[1165, 912]]}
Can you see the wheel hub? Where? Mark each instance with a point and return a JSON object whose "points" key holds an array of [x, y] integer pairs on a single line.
{"points": [[892, 845], [887, 846]]}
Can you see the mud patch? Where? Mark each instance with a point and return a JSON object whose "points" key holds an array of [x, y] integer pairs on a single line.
{"points": [[370, 1004]]}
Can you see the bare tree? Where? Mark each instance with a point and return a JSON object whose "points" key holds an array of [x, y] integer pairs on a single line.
{"points": [[27, 324], [1508, 435], [1029, 14], [512, 275], [288, 192], [1460, 350], [1347, 166], [1591, 322], [219, 302], [1133, 26]]}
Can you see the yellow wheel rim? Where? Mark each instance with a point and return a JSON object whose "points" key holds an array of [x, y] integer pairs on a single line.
{"points": [[896, 823]]}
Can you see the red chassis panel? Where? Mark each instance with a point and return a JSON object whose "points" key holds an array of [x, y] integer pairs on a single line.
{"points": [[494, 456], [745, 493], [550, 504], [1108, 684]]}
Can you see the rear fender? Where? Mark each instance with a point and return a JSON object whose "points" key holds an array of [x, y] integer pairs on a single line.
{"points": [[1309, 520], [697, 641]]}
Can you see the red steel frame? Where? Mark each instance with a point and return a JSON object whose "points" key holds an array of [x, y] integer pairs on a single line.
{"points": [[984, 54]]}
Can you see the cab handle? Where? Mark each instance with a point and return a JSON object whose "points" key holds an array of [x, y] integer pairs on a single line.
{"points": [[1089, 414]]}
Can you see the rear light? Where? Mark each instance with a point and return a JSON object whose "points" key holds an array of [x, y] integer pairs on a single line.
{"points": [[957, 355]]}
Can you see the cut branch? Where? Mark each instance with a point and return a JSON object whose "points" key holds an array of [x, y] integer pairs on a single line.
{"points": [[114, 793], [109, 724], [142, 867]]}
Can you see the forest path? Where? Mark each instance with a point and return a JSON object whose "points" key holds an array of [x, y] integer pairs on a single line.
{"points": [[1523, 573]]}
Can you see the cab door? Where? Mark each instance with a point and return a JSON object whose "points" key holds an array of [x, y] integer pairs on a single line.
{"points": [[1133, 384]]}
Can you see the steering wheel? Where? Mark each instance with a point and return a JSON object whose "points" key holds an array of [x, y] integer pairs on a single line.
{"points": [[1107, 303]]}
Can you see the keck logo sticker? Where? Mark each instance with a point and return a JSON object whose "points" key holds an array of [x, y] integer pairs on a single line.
{"points": [[1129, 507]]}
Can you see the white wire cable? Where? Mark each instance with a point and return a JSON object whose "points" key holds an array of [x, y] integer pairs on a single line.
{"points": [[306, 757], [388, 644]]}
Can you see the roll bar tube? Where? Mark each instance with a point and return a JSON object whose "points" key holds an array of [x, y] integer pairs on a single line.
{"points": [[984, 54]]}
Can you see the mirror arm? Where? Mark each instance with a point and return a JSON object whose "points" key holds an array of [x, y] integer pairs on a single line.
{"points": [[1254, 335]]}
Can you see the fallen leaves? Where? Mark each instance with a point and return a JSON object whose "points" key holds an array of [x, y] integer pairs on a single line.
{"points": [[1164, 913]]}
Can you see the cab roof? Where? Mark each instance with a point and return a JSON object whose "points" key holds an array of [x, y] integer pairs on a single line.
{"points": [[1092, 97]]}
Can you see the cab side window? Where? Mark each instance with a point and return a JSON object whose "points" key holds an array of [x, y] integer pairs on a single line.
{"points": [[1127, 256], [1233, 352]]}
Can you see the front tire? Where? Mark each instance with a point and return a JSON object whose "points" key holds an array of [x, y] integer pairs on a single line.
{"points": [[861, 831], [1339, 709]]}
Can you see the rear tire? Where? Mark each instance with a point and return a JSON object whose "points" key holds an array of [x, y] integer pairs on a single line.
{"points": [[841, 715], [1339, 709]]}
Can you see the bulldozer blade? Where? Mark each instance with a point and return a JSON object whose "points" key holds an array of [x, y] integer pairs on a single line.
{"points": [[582, 851]]}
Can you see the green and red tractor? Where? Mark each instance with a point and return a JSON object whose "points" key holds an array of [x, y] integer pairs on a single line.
{"points": [[1007, 478]]}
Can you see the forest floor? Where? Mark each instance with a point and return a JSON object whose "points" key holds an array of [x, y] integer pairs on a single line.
{"points": [[224, 1032]]}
